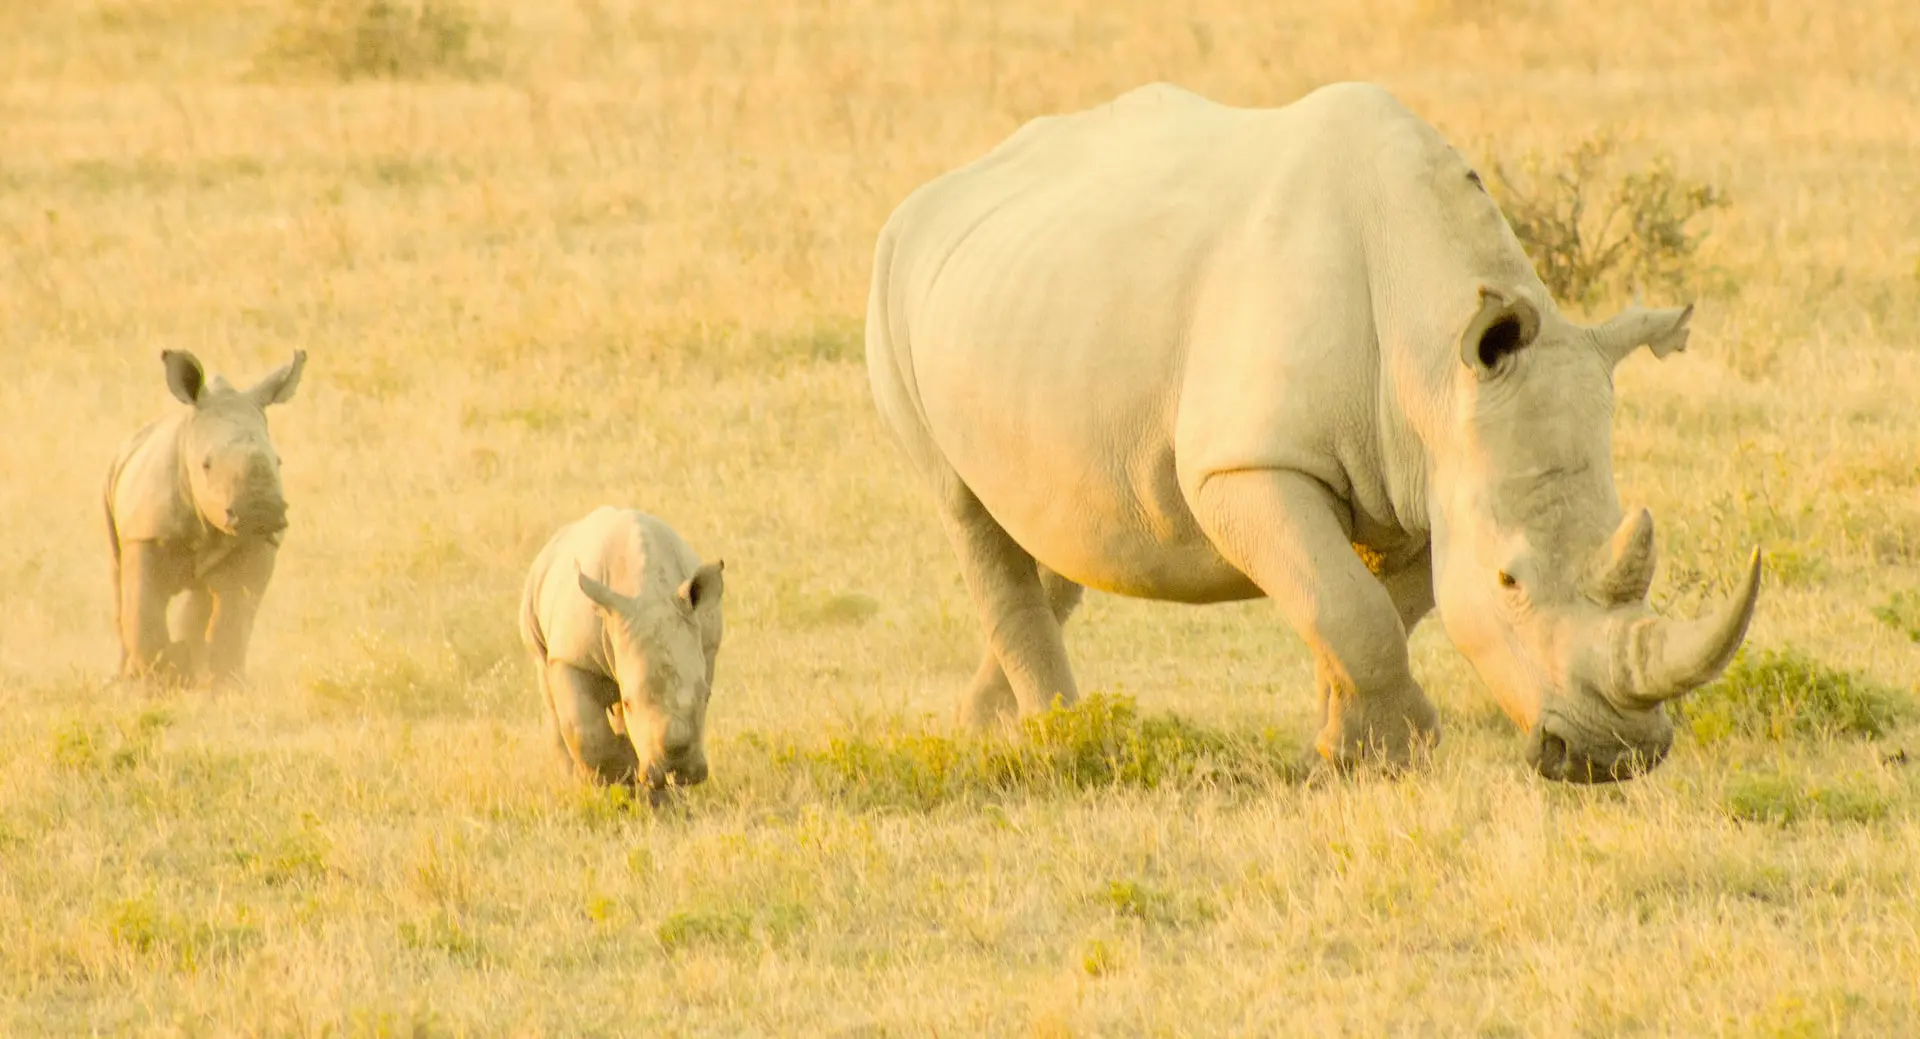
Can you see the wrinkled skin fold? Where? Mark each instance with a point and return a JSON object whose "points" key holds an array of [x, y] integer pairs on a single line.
{"points": [[1180, 351], [195, 517]]}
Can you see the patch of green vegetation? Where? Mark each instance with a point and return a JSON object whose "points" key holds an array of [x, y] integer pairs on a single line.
{"points": [[1901, 613], [1101, 743], [290, 858], [773, 923], [445, 932], [379, 39], [832, 341], [838, 610], [153, 930], [1151, 904], [1782, 800], [1100, 958], [82, 746], [1785, 695]]}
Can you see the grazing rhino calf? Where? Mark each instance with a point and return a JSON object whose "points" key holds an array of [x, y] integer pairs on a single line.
{"points": [[195, 510], [623, 622], [1181, 351]]}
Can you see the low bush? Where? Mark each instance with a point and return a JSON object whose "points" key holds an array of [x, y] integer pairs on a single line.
{"points": [[1589, 232], [1787, 695]]}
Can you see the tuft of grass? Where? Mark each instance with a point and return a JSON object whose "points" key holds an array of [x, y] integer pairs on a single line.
{"points": [[1781, 800], [1101, 743], [1588, 233], [1901, 613], [154, 931], [730, 926], [1100, 958], [378, 39], [81, 746], [444, 932], [1783, 695], [1148, 903]]}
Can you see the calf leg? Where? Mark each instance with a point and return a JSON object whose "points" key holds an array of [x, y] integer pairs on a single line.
{"points": [[1284, 531], [579, 701], [989, 697], [187, 621], [236, 586], [148, 575], [1023, 634]]}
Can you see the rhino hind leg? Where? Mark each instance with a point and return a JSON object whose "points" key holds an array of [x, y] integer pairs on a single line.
{"points": [[1284, 531], [1016, 609], [989, 698]]}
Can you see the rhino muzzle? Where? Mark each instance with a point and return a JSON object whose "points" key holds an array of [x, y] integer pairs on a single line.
{"points": [[1587, 760]]}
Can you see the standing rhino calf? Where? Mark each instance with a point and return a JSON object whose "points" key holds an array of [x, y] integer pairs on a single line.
{"points": [[623, 621], [194, 506]]}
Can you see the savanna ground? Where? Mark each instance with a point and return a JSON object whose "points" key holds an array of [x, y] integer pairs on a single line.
{"points": [[547, 256]]}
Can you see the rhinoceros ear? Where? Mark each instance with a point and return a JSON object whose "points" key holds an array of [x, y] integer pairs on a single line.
{"points": [[1662, 331], [278, 387], [702, 591], [602, 596], [185, 377], [1502, 327]]}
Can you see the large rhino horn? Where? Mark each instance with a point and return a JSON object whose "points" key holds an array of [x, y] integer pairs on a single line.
{"points": [[1622, 570], [1652, 659]]}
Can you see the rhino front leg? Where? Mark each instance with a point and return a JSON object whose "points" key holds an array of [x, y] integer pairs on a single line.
{"points": [[1284, 530], [989, 697], [187, 621], [1022, 631], [579, 701], [148, 575], [236, 588]]}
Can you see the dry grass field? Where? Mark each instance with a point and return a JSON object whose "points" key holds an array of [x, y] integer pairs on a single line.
{"points": [[551, 255]]}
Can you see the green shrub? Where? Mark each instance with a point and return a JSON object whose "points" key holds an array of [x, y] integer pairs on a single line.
{"points": [[1101, 743], [378, 39], [1588, 233], [1784, 695]]}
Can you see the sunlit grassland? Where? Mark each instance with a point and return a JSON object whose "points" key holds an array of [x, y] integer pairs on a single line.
{"points": [[625, 260]]}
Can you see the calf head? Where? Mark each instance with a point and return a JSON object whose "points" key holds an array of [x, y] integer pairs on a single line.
{"points": [[1540, 578], [229, 463], [663, 648]]}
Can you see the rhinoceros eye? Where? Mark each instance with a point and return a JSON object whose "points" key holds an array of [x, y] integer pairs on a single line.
{"points": [[1507, 580], [206, 463]]}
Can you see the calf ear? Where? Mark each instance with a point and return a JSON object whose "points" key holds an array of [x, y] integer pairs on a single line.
{"points": [[702, 591], [1502, 327], [278, 387], [1662, 331], [605, 598], [185, 377]]}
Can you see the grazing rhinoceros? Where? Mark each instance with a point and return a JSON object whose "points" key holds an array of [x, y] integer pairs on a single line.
{"points": [[1181, 351], [194, 506], [623, 622]]}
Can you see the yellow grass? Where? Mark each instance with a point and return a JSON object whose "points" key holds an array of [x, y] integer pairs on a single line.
{"points": [[628, 265]]}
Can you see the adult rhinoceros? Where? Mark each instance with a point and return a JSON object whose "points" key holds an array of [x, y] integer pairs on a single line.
{"points": [[1181, 351]]}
